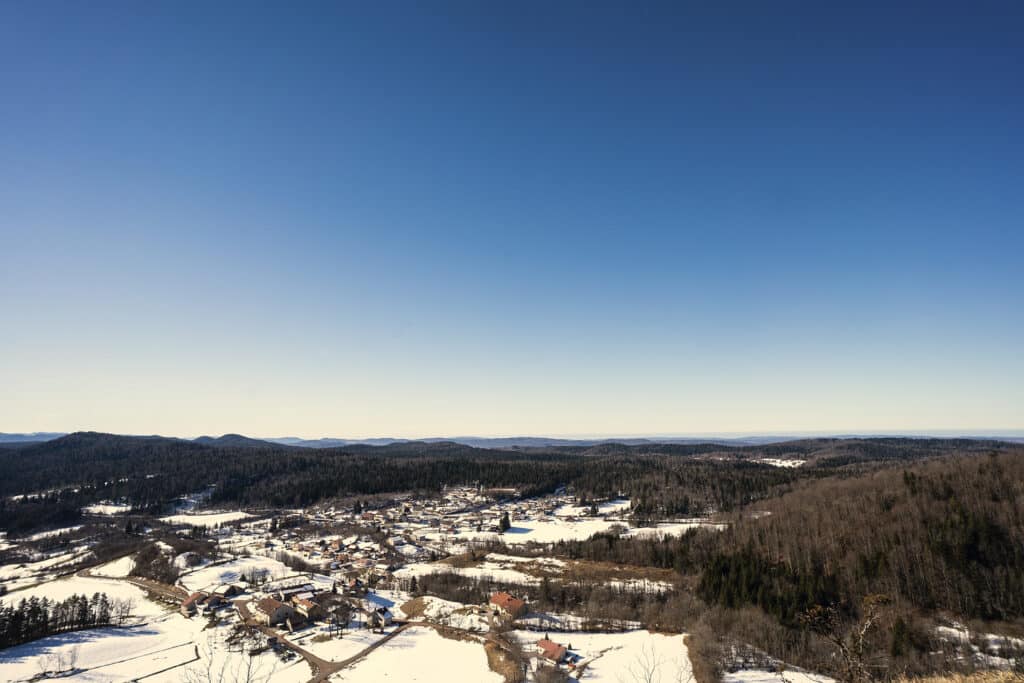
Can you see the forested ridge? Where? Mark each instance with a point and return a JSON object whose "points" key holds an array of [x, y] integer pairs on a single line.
{"points": [[945, 535], [901, 545], [664, 480]]}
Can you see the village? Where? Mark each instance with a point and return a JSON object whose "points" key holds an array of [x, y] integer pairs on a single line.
{"points": [[331, 593], [424, 589], [304, 578]]}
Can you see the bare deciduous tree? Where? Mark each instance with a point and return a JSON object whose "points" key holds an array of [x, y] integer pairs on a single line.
{"points": [[851, 639], [218, 664], [649, 667]]}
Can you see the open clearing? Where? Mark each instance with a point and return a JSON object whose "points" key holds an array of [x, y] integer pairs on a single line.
{"points": [[208, 519], [214, 575], [420, 655], [616, 657]]}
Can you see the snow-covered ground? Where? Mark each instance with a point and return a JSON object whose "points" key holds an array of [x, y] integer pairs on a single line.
{"points": [[781, 462], [209, 519], [64, 588], [162, 649], [554, 529], [547, 531], [420, 655], [446, 612], [524, 571], [214, 575], [608, 507], [764, 676], [515, 559], [159, 645], [16, 576], [989, 650], [107, 654], [335, 649], [106, 509], [52, 532], [555, 622], [116, 569], [486, 570], [616, 657], [677, 528]]}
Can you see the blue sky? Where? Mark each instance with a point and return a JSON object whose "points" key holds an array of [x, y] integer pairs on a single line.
{"points": [[419, 219]]}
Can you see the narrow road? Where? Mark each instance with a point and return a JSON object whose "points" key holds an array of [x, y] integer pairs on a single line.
{"points": [[322, 668], [363, 653], [163, 590]]}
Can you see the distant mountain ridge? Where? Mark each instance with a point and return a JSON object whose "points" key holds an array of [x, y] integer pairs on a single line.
{"points": [[240, 440], [524, 441], [30, 436], [237, 441]]}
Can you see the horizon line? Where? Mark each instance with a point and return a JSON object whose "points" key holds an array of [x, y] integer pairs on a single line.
{"points": [[912, 433]]}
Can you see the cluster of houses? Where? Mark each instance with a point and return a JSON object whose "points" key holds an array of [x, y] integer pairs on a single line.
{"points": [[374, 540], [291, 605], [207, 601], [388, 534], [511, 608], [292, 609]]}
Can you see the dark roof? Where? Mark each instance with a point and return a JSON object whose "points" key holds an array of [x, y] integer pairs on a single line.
{"points": [[269, 605]]}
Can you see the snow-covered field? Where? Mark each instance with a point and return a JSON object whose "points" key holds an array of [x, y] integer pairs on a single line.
{"points": [[116, 569], [780, 462], [108, 654], [549, 531], [616, 657], [52, 532], [16, 576], [354, 641], [420, 655], [162, 650], [524, 571], [106, 509], [677, 528], [64, 588], [209, 519], [159, 645], [214, 575], [554, 529], [487, 570], [761, 676], [605, 508]]}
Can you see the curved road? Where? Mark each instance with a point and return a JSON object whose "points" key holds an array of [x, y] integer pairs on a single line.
{"points": [[322, 668]]}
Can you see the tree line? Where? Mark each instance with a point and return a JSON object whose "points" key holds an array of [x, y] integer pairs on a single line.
{"points": [[33, 618]]}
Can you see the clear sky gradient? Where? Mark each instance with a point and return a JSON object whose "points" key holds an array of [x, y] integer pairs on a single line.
{"points": [[421, 219]]}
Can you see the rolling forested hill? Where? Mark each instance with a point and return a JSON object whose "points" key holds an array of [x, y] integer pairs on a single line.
{"points": [[664, 479]]}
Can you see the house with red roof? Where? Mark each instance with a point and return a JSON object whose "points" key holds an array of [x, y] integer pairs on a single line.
{"points": [[551, 650], [508, 605]]}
